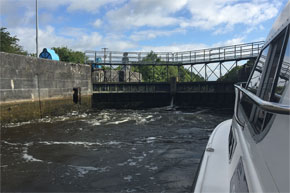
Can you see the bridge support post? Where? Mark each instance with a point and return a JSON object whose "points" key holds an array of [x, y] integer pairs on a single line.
{"points": [[191, 73], [172, 86], [205, 73]]}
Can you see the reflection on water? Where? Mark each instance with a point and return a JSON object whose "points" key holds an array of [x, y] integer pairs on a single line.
{"points": [[107, 151]]}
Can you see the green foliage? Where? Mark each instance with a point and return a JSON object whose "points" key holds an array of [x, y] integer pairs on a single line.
{"points": [[67, 55], [158, 73], [238, 73], [10, 44], [232, 75]]}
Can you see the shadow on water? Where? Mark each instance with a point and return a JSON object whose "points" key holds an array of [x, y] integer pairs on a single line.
{"points": [[152, 150]]}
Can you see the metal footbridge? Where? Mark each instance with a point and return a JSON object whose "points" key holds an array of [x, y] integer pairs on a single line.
{"points": [[202, 56]]}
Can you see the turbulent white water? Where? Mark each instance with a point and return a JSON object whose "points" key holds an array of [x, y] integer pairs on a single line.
{"points": [[149, 150]]}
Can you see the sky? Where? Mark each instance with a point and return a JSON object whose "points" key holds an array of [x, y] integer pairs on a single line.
{"points": [[139, 25]]}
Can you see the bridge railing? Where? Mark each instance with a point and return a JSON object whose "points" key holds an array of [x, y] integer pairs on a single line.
{"points": [[225, 53]]}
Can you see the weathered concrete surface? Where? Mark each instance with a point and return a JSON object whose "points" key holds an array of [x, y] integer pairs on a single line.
{"points": [[27, 85], [20, 111], [101, 75], [154, 150]]}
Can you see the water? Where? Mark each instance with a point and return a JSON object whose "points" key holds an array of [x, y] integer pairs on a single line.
{"points": [[156, 150]]}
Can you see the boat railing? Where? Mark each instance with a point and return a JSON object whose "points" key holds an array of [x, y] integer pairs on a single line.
{"points": [[267, 106]]}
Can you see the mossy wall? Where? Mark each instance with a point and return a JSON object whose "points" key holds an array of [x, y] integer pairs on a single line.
{"points": [[33, 88]]}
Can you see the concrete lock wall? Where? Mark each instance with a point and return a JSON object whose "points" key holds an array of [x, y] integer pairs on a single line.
{"points": [[115, 76], [33, 88]]}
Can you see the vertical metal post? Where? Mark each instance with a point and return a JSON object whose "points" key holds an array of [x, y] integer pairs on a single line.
{"points": [[203, 55], [182, 58], [220, 70], [105, 49], [252, 49], [235, 51], [110, 57], [205, 74], [224, 53], [190, 56], [209, 54], [241, 51], [125, 76], [36, 25], [167, 73], [191, 73], [219, 53], [139, 74], [111, 72], [195, 56]]}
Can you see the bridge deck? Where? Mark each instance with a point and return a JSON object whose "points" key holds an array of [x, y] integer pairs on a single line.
{"points": [[211, 55]]}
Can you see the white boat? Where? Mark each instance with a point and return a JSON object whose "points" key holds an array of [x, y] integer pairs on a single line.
{"points": [[250, 153]]}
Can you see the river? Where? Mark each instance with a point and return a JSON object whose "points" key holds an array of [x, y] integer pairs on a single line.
{"points": [[153, 150]]}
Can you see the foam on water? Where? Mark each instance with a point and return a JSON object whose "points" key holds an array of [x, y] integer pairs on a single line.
{"points": [[110, 117], [83, 170], [128, 178], [48, 119], [118, 122], [69, 143], [29, 158]]}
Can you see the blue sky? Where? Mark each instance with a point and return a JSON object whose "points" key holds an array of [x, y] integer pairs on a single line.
{"points": [[139, 25]]}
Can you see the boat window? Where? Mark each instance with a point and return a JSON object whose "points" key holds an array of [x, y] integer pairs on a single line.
{"points": [[262, 118], [283, 78], [268, 81], [254, 82]]}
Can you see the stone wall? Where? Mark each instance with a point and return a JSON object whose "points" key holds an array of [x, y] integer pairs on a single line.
{"points": [[33, 88]]}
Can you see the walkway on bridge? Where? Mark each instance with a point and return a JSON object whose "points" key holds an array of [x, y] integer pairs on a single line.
{"points": [[209, 64], [210, 55]]}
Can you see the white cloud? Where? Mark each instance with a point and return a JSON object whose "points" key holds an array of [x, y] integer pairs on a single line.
{"points": [[139, 13], [76, 39], [48, 38], [234, 41], [151, 34], [192, 46], [90, 5], [174, 48], [213, 13], [97, 23]]}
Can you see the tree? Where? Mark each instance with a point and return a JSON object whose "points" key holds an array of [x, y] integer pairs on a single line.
{"points": [[10, 44], [238, 73], [158, 73], [67, 55]]}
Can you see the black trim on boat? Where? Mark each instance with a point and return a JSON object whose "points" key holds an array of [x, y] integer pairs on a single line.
{"points": [[197, 173]]}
